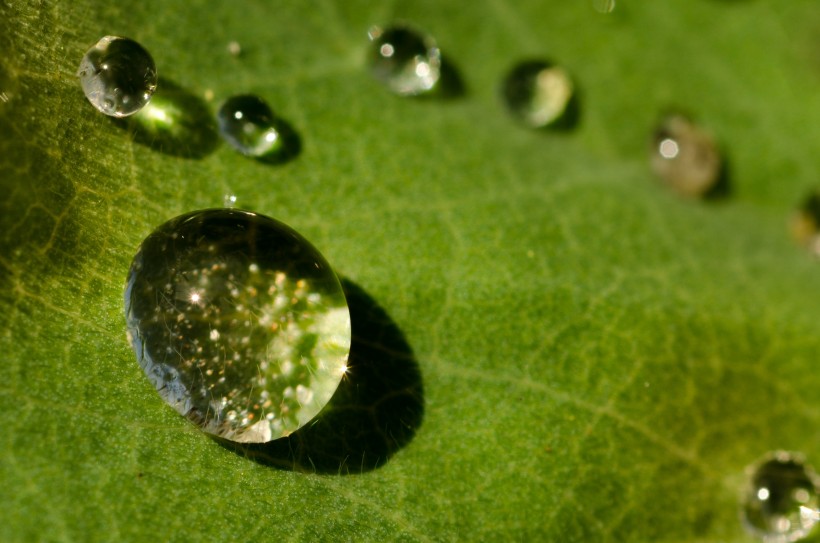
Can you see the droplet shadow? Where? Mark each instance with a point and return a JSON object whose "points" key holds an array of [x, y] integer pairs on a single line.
{"points": [[374, 413], [175, 122], [290, 144], [450, 84]]}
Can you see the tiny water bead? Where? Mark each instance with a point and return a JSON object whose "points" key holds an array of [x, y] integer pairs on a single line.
{"points": [[603, 6], [781, 502], [685, 157], [248, 124], [805, 223], [405, 60], [118, 76], [239, 323], [540, 94]]}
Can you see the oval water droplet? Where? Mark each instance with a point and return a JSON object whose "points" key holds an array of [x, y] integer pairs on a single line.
{"points": [[118, 76], [248, 124], [239, 322], [781, 501], [405, 60], [541, 94], [685, 157]]}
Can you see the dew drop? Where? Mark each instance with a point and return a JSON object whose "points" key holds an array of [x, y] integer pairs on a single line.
{"points": [[405, 60], [229, 312], [685, 157], [603, 6], [118, 76], [805, 224], [248, 124], [540, 94], [781, 501]]}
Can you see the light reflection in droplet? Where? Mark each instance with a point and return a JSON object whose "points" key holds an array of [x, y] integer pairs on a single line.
{"points": [[603, 6], [669, 148]]}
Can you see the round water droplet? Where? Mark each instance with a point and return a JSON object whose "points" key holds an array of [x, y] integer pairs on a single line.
{"points": [[685, 157], [239, 322], [248, 124], [540, 94], [118, 76], [806, 223], [781, 501], [406, 61]]}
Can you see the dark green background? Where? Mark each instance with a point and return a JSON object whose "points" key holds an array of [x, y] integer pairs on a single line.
{"points": [[600, 360]]}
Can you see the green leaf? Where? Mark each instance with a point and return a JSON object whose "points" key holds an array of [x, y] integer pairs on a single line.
{"points": [[577, 354]]}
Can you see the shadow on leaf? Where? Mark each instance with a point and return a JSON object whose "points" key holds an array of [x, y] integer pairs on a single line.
{"points": [[375, 411], [174, 122]]}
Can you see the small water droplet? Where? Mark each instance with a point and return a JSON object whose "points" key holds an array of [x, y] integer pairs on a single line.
{"points": [[781, 502], [603, 6], [248, 124], [229, 200], [805, 224], [685, 157], [405, 60], [118, 76], [218, 304], [541, 94], [234, 48]]}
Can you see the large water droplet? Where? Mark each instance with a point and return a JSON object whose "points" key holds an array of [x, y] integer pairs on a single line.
{"points": [[248, 124], [541, 94], [118, 76], [781, 501], [685, 157], [405, 60], [239, 322]]}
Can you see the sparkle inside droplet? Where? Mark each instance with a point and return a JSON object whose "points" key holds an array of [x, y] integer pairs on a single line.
{"points": [[781, 501], [685, 157], [405, 60], [239, 322], [118, 76]]}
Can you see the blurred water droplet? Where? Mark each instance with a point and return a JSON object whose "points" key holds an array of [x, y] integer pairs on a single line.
{"points": [[239, 322], [603, 6], [118, 76], [229, 200], [540, 94], [805, 224], [685, 157], [405, 60], [248, 124], [234, 48], [780, 503]]}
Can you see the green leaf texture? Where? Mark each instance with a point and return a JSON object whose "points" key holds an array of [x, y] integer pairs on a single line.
{"points": [[553, 347]]}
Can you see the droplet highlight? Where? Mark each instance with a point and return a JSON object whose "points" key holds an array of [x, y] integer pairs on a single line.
{"points": [[8, 86], [249, 125], [239, 322], [540, 94], [781, 502], [685, 157], [118, 76], [603, 6], [405, 60]]}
